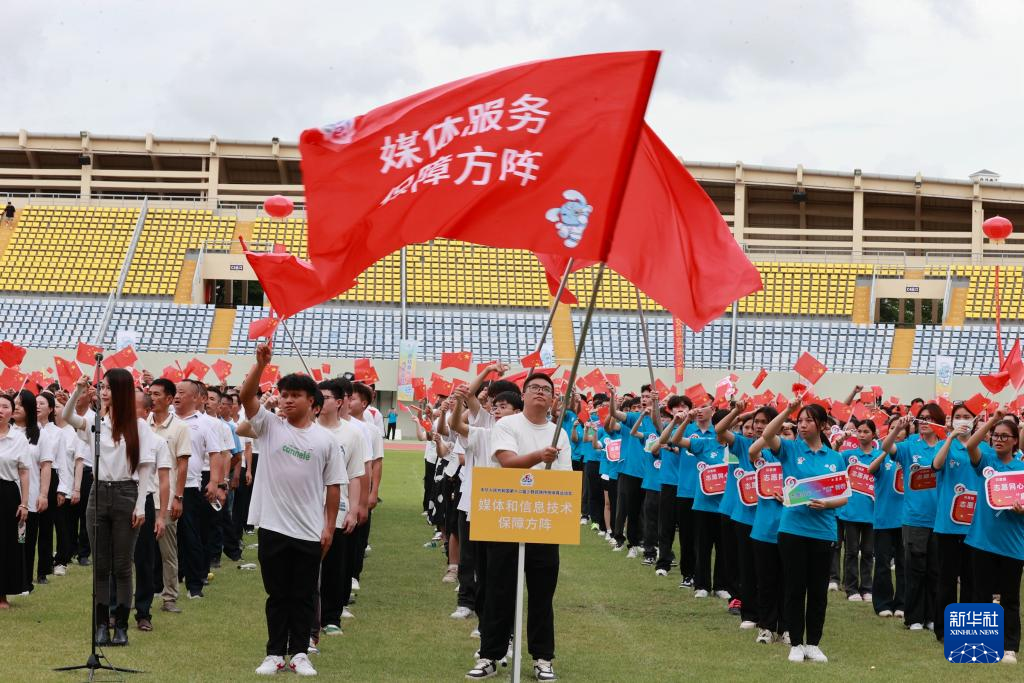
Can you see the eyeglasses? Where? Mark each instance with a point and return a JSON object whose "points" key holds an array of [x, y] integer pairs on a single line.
{"points": [[538, 389], [1002, 437]]}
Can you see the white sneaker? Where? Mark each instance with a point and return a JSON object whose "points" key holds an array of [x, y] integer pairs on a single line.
{"points": [[301, 665], [451, 575], [898, 614], [700, 593], [461, 613], [885, 613], [618, 548], [632, 552], [796, 654], [543, 671], [583, 521], [368, 550], [355, 584], [930, 625], [855, 598], [346, 614], [763, 636], [916, 627], [313, 648], [60, 570], [833, 586], [661, 572], [1009, 657], [784, 638], [611, 540], [724, 595], [475, 633], [484, 668], [814, 653], [747, 625], [270, 666], [867, 597]]}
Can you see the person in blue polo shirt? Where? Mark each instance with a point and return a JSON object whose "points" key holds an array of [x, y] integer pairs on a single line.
{"points": [[645, 433], [955, 477], [915, 455], [608, 470], [700, 427], [886, 599], [806, 532], [591, 435], [628, 516], [997, 536], [857, 517], [673, 511]]}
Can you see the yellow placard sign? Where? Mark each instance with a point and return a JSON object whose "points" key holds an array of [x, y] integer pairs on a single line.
{"points": [[526, 506]]}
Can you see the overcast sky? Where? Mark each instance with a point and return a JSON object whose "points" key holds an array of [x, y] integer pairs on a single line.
{"points": [[886, 86]]}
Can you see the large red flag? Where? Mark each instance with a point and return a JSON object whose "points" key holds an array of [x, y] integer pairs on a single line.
{"points": [[289, 282], [532, 157], [665, 206]]}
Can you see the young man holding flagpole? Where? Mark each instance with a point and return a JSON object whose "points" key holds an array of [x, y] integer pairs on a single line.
{"points": [[523, 440]]}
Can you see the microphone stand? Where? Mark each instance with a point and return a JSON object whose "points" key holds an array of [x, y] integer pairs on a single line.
{"points": [[93, 663]]}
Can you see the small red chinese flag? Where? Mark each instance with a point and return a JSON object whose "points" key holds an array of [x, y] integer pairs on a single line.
{"points": [[490, 375], [222, 369], [86, 354], [68, 373], [1013, 365], [860, 411], [531, 360], [11, 354], [419, 389], [781, 402], [595, 378], [439, 385], [269, 376], [264, 327], [318, 374], [459, 360], [365, 372], [122, 359], [808, 367], [456, 383], [602, 413], [698, 394], [37, 379], [841, 412], [614, 379], [12, 379], [661, 388], [196, 367], [760, 378], [976, 404], [173, 373]]}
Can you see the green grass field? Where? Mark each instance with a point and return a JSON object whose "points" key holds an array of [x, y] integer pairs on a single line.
{"points": [[615, 621]]}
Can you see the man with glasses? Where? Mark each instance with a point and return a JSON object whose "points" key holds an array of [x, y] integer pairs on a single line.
{"points": [[523, 440]]}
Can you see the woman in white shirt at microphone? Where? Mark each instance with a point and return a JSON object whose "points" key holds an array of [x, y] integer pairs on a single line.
{"points": [[117, 506]]}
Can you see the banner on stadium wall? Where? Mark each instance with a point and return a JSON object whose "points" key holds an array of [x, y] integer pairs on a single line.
{"points": [[547, 354], [123, 338], [943, 376], [678, 348], [526, 506], [407, 350]]}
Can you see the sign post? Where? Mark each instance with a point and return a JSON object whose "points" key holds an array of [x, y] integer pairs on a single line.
{"points": [[525, 506]]}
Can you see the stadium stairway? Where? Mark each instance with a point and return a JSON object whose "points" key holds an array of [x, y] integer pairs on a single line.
{"points": [[902, 350], [563, 338], [862, 305], [7, 231], [956, 316], [220, 332], [183, 290], [243, 229]]}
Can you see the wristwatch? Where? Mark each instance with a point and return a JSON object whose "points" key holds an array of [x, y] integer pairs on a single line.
{"points": [[180, 499], [222, 487]]}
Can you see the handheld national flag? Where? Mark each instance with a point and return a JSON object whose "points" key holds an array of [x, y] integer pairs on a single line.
{"points": [[268, 378], [11, 354], [12, 379], [531, 360], [808, 367], [264, 327], [196, 367], [760, 378], [459, 360], [222, 369], [68, 373], [365, 372], [122, 359], [995, 382], [86, 353], [173, 373], [697, 394], [976, 404]]}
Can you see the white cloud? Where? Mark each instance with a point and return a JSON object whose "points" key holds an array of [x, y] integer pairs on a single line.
{"points": [[886, 87]]}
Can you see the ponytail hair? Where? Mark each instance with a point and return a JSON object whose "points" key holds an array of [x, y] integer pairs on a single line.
{"points": [[817, 413]]}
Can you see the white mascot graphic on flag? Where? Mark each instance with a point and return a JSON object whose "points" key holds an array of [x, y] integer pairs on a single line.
{"points": [[570, 219]]}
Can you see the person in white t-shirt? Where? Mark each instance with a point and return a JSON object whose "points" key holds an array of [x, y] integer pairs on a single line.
{"points": [[354, 452], [523, 441], [43, 453], [299, 485], [66, 541], [14, 466], [362, 395]]}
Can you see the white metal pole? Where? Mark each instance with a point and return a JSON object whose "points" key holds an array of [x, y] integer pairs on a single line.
{"points": [[517, 640]]}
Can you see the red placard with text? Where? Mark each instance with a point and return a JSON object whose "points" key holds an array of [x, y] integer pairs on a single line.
{"points": [[746, 484], [769, 480], [1004, 489], [713, 478], [921, 478], [861, 481]]}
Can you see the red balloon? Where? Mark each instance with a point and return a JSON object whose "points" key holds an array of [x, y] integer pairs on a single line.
{"points": [[997, 228], [278, 206]]}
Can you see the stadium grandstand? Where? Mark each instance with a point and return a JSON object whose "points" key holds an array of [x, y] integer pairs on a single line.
{"points": [[873, 274]]}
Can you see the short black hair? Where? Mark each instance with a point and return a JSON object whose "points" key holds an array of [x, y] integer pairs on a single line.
{"points": [[513, 398], [167, 385], [675, 401], [645, 387], [599, 398], [365, 392], [339, 388], [214, 390], [500, 386], [297, 382], [541, 376]]}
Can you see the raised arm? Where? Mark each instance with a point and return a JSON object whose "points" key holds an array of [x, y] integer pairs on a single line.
{"points": [[247, 392], [900, 425], [69, 414], [980, 434], [939, 461], [853, 394], [877, 462], [455, 421], [770, 437], [723, 430], [472, 402], [613, 412]]}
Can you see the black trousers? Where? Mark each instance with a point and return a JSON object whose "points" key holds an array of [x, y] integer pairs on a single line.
{"points": [[362, 539], [611, 487], [708, 529], [109, 517], [12, 561], [498, 619], [746, 570], [65, 542], [389, 431], [334, 593], [31, 539], [240, 509], [727, 548], [595, 493], [79, 526], [768, 564], [921, 550], [668, 524], [651, 508], [290, 568], [467, 563], [835, 558], [192, 558], [46, 527], [149, 577], [577, 466], [805, 568], [998, 574], [629, 510], [888, 548], [956, 568], [859, 558], [230, 542], [348, 566], [428, 482]]}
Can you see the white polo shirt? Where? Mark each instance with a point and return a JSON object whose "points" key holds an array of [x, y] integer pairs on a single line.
{"points": [[352, 447], [517, 434]]}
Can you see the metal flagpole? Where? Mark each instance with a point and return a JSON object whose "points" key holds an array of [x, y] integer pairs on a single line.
{"points": [[554, 305], [517, 639], [295, 346], [647, 342]]}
